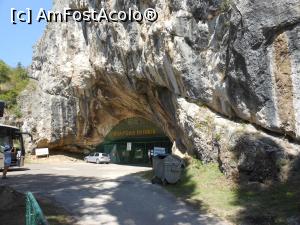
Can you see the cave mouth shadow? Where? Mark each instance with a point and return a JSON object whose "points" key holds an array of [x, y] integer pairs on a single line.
{"points": [[268, 182], [70, 154]]}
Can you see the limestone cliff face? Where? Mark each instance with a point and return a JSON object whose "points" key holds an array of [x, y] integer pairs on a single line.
{"points": [[239, 58]]}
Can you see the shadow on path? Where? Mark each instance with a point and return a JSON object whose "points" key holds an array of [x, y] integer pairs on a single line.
{"points": [[126, 200]]}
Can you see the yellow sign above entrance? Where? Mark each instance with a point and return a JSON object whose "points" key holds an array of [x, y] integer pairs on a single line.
{"points": [[134, 128], [127, 133]]}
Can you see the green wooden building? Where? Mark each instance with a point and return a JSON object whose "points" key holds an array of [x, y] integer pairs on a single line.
{"points": [[130, 141]]}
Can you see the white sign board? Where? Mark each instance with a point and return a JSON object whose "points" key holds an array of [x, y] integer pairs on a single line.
{"points": [[159, 151], [41, 151], [129, 146]]}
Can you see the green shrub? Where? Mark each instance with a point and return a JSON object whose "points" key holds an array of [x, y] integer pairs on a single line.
{"points": [[16, 110], [12, 82], [218, 136], [225, 5]]}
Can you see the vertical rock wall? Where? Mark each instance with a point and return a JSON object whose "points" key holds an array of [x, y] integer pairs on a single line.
{"points": [[239, 58]]}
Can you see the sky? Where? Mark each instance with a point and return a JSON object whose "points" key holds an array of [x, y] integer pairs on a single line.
{"points": [[16, 41]]}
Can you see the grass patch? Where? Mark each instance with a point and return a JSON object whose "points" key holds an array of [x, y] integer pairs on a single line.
{"points": [[274, 204], [13, 209], [55, 215], [204, 186]]}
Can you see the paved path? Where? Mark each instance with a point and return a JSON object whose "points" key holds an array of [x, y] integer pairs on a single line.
{"points": [[106, 194]]}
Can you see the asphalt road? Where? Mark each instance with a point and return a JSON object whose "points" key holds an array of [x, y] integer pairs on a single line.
{"points": [[106, 194]]}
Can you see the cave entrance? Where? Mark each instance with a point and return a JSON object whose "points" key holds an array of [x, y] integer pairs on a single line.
{"points": [[131, 141]]}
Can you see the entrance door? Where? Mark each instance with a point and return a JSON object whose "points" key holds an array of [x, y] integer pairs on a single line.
{"points": [[139, 153]]}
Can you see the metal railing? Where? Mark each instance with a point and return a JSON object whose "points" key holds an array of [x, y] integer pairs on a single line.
{"points": [[34, 214]]}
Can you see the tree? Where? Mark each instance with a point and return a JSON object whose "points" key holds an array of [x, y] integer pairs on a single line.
{"points": [[19, 65], [4, 72], [21, 71]]}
